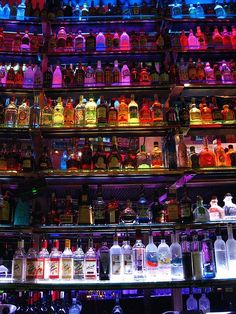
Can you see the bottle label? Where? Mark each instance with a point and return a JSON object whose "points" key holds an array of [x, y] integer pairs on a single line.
{"points": [[157, 114], [100, 164], [66, 219], [26, 164], [116, 43], [22, 118], [18, 268], [69, 117], [128, 266], [108, 42], [102, 115], [123, 114], [156, 159], [99, 213], [125, 75], [54, 268], [90, 268], [58, 118], [112, 217], [139, 259], [67, 268], [3, 163], [173, 212], [151, 260], [78, 268], [116, 264], [46, 119], [79, 43], [133, 112], [90, 116], [85, 214], [114, 163], [104, 262], [79, 117], [185, 209], [34, 268], [112, 117]]}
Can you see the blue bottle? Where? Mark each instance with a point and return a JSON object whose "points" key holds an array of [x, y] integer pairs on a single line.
{"points": [[75, 307], [1, 11], [177, 10], [22, 216], [20, 14], [192, 11], [63, 163], [6, 11], [199, 11], [219, 11]]}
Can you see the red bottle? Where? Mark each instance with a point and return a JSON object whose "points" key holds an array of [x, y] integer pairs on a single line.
{"points": [[145, 114]]}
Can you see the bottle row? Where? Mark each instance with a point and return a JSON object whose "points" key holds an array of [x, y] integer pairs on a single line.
{"points": [[123, 74], [195, 257]]}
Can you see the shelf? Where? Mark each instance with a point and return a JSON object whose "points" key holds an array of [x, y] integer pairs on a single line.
{"points": [[208, 19], [109, 285], [212, 129], [113, 19], [207, 89]]}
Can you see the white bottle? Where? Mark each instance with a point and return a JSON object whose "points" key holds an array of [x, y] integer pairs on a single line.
{"points": [[139, 259], [221, 258], [191, 303], [127, 259], [164, 259], [115, 260], [124, 41], [204, 304], [151, 259], [28, 78], [176, 259], [125, 75], [19, 262], [231, 251], [57, 78]]}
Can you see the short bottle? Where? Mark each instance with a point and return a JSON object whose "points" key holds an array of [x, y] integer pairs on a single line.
{"points": [[200, 212]]}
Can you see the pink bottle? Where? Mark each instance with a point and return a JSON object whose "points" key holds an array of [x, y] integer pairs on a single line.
{"points": [[192, 41], [201, 39], [124, 41], [226, 38], [217, 38]]}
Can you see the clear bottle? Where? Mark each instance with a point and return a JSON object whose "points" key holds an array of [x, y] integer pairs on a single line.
{"points": [[143, 159], [55, 261], [35, 112], [31, 262], [79, 42], [151, 259], [115, 260], [199, 11], [75, 308], [222, 269], [200, 213], [125, 75], [6, 11], [104, 261], [117, 308], [219, 11], [133, 112], [139, 258], [156, 157], [28, 81], [195, 114], [124, 41], [19, 262], [204, 304], [191, 303], [176, 258], [192, 41], [10, 119], [44, 261], [196, 258], [69, 113], [67, 262], [208, 259], [128, 215], [80, 112], [58, 114], [164, 261], [127, 259], [90, 262], [143, 213], [91, 113], [20, 13], [231, 251], [23, 114], [215, 211], [78, 262]]}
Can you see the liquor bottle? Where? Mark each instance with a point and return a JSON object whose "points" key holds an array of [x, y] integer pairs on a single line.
{"points": [[44, 261], [67, 262], [195, 114], [102, 111], [230, 249], [219, 11], [86, 156], [139, 258], [20, 14], [127, 259], [192, 11], [231, 156], [108, 75], [114, 159], [145, 114], [6, 11], [184, 115], [100, 42], [79, 75], [125, 75], [23, 114], [32, 270], [182, 153], [112, 115], [99, 74], [207, 156], [164, 261], [85, 209], [116, 79], [156, 156], [151, 258], [35, 112], [128, 215], [183, 71], [227, 114], [123, 112], [112, 212], [215, 211], [169, 151], [221, 257], [196, 257], [46, 114], [25, 41], [157, 208], [117, 308], [143, 158], [192, 72], [99, 158], [58, 114], [116, 41], [172, 206], [200, 212], [61, 39], [185, 207], [208, 260], [80, 112], [90, 42], [90, 262], [186, 258], [69, 113], [124, 41], [143, 213], [176, 11], [78, 262], [204, 304], [19, 262], [48, 77], [191, 303], [206, 114], [209, 72], [216, 112], [229, 207], [192, 41], [44, 161], [176, 258], [201, 39], [104, 261], [57, 78], [220, 154], [79, 42], [91, 113], [99, 207], [75, 308], [157, 111], [28, 160], [55, 261]]}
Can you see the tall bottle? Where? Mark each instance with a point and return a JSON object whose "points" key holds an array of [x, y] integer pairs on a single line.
{"points": [[20, 13], [208, 260], [186, 257], [231, 251], [222, 269], [139, 258], [127, 259], [10, 119], [104, 261], [164, 261], [90, 262], [55, 261], [58, 114], [19, 262], [67, 262], [80, 112], [69, 113], [196, 257], [133, 112], [57, 77], [182, 153], [115, 260], [122, 112], [151, 258], [35, 112], [78, 262], [43, 260], [32, 271], [99, 207], [176, 258], [114, 159], [185, 204]]}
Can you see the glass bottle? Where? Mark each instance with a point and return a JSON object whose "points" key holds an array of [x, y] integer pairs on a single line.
{"points": [[10, 119], [115, 260], [125, 75], [123, 112], [57, 78], [28, 160], [43, 261], [195, 114], [133, 112], [67, 262], [231, 250], [91, 113], [102, 112], [221, 257], [219, 11], [156, 156], [191, 303], [58, 114], [114, 159], [31, 263], [208, 260], [145, 114], [229, 207], [69, 113], [172, 206], [207, 156], [44, 161], [55, 261], [46, 114], [19, 262], [116, 79], [124, 41], [80, 112], [139, 258], [89, 76], [78, 262], [79, 42], [200, 212], [23, 114], [35, 112], [99, 207], [20, 13], [85, 209], [176, 258], [90, 42], [100, 42], [185, 207], [157, 111], [164, 261], [193, 42], [99, 158], [127, 259], [128, 215], [28, 81], [182, 153], [86, 156], [143, 159], [215, 211], [186, 257], [151, 258], [117, 308], [227, 114], [204, 304], [143, 213], [104, 261], [220, 154], [112, 118]]}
